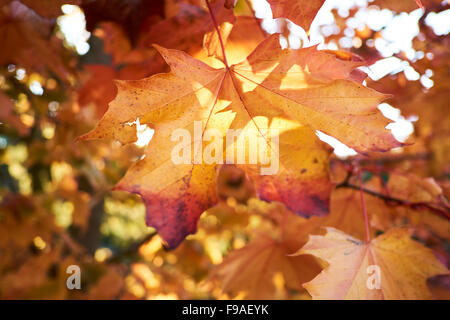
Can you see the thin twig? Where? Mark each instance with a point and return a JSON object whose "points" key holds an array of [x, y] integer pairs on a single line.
{"points": [[414, 205], [393, 159]]}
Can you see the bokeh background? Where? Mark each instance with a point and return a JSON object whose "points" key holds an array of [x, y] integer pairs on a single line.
{"points": [[56, 78]]}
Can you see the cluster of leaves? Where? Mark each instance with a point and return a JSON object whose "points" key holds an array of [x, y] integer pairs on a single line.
{"points": [[249, 235]]}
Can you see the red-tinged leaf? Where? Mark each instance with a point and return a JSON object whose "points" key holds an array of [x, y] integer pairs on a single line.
{"points": [[306, 86]]}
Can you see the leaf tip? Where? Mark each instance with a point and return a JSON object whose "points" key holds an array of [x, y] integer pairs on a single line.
{"points": [[162, 51]]}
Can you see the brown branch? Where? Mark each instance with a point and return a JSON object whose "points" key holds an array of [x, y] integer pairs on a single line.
{"points": [[414, 205], [393, 159], [363, 203], [216, 26]]}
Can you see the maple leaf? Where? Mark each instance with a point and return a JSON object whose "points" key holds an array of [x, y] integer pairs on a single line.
{"points": [[245, 36], [192, 27], [99, 88], [346, 212], [306, 86], [404, 266], [252, 269], [420, 211], [115, 41], [302, 13], [416, 190], [303, 163], [190, 24]]}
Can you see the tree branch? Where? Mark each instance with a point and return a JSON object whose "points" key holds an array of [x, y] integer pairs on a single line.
{"points": [[414, 205]]}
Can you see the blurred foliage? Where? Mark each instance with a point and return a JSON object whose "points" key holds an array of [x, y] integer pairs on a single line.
{"points": [[57, 207]]}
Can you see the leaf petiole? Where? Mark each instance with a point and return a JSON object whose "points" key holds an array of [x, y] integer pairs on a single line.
{"points": [[213, 18]]}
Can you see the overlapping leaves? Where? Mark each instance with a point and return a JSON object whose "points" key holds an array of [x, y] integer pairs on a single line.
{"points": [[308, 88]]}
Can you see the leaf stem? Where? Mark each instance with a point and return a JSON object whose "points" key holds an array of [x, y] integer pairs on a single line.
{"points": [[216, 26], [390, 199], [363, 202]]}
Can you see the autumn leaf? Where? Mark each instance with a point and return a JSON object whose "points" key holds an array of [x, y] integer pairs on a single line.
{"points": [[245, 36], [192, 27], [254, 200], [99, 88], [346, 212], [263, 264], [312, 84], [416, 190], [303, 163], [252, 269], [300, 12], [426, 207], [404, 266], [115, 41], [304, 85], [392, 200]]}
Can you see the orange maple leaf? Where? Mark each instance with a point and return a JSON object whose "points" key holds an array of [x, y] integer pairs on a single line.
{"points": [[292, 91], [254, 269], [391, 266]]}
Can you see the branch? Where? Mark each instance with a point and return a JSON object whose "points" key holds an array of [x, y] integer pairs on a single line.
{"points": [[393, 159], [414, 205], [363, 203], [216, 26]]}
